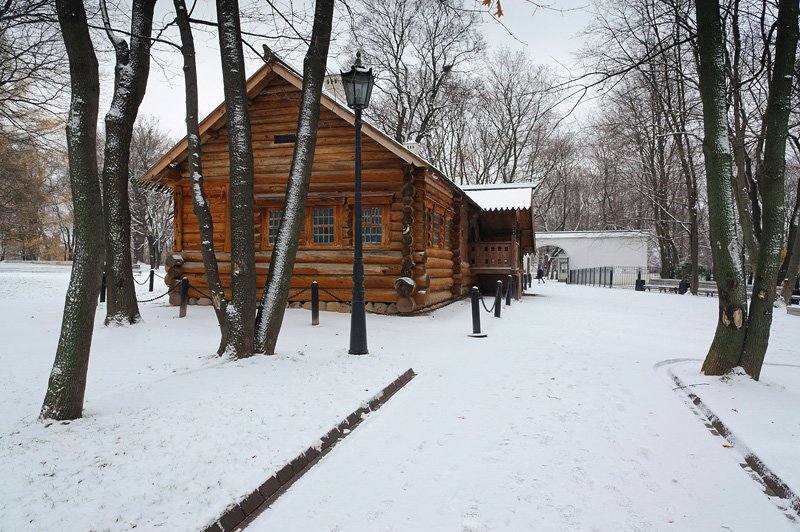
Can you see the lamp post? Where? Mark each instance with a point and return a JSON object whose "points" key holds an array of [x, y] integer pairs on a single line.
{"points": [[358, 82]]}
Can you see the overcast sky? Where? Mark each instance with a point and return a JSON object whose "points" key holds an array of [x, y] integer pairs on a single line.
{"points": [[548, 36]]}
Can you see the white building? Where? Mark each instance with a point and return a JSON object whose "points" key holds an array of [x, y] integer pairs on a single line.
{"points": [[561, 251]]}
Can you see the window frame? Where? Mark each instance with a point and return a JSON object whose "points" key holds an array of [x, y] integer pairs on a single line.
{"points": [[383, 225], [334, 225], [263, 213], [436, 229], [439, 224]]}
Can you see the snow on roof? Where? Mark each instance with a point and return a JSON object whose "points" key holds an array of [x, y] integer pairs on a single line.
{"points": [[501, 197], [592, 234]]}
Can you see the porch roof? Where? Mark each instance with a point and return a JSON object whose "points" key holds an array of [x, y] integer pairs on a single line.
{"points": [[501, 197]]}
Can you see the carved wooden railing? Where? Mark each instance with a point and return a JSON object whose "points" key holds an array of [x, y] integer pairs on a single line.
{"points": [[491, 255]]}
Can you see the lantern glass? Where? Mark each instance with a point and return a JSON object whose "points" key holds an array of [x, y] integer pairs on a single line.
{"points": [[358, 83]]}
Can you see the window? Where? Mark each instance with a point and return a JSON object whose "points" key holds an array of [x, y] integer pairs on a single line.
{"points": [[323, 231], [447, 232], [285, 139], [372, 225], [273, 221], [437, 222]]}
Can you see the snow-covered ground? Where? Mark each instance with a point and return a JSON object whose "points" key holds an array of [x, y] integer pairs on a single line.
{"points": [[563, 418]]}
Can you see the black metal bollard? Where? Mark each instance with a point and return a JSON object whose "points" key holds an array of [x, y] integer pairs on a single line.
{"points": [[498, 298], [508, 290], [611, 278], [152, 275], [530, 280], [475, 296], [103, 289], [516, 285], [184, 297], [314, 303]]}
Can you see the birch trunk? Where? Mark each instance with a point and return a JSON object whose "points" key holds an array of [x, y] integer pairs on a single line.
{"points": [[276, 291], [199, 200], [67, 384], [241, 311], [130, 82]]}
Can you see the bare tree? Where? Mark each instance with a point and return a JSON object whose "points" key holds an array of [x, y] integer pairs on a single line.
{"points": [[199, 198], [130, 81], [33, 71], [276, 291], [151, 209], [451, 142], [515, 106], [740, 340], [790, 268], [62, 215], [771, 181], [649, 43], [23, 199], [416, 46], [67, 384], [242, 308]]}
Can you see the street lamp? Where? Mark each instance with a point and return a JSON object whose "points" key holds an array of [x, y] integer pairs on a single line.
{"points": [[358, 84]]}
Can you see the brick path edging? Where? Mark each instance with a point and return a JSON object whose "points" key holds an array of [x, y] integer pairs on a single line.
{"points": [[773, 484], [241, 514]]}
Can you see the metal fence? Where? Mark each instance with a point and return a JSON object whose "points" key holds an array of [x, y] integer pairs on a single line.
{"points": [[609, 276], [626, 276]]}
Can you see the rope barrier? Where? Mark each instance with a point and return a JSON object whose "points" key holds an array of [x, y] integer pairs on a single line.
{"points": [[201, 292], [489, 310], [302, 290], [158, 297], [333, 295], [143, 282]]}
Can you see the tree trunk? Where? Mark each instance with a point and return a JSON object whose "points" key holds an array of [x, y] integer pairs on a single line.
{"points": [[793, 268], [151, 250], [199, 199], [241, 310], [791, 241], [130, 81], [67, 384], [726, 347], [276, 291], [771, 183], [744, 188]]}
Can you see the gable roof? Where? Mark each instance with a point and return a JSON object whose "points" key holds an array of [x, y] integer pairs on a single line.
{"points": [[255, 84]]}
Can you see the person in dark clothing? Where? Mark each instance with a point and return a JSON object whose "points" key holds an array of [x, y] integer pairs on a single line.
{"points": [[540, 275]]}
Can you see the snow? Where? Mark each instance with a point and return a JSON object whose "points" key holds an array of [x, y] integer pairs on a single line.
{"points": [[591, 234], [563, 418], [496, 197]]}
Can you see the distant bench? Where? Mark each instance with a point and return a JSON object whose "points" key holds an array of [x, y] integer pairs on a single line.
{"points": [[709, 288], [663, 285]]}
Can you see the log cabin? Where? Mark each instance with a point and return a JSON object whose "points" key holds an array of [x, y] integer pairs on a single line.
{"points": [[418, 225]]}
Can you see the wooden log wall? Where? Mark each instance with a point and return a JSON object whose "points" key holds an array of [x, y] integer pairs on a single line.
{"points": [[388, 182], [436, 275]]}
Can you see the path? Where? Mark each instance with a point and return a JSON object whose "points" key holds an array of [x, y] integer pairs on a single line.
{"points": [[547, 424]]}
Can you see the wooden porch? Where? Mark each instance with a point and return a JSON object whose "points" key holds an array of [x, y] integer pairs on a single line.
{"points": [[493, 257]]}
